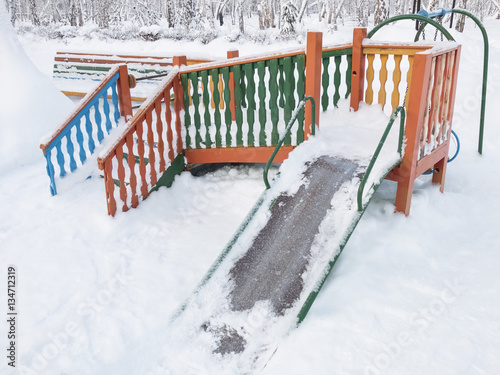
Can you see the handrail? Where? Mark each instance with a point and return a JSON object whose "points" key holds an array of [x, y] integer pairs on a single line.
{"points": [[411, 17], [287, 130], [130, 126], [441, 13], [379, 148], [117, 81]]}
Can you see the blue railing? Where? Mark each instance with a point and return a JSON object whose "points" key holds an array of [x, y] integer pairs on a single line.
{"points": [[88, 125]]}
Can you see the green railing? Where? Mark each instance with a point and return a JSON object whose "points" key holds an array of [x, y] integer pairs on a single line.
{"points": [[299, 109], [381, 143], [334, 59], [243, 104]]}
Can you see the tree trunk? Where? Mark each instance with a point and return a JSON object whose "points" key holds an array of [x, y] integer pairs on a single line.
{"points": [[380, 12], [460, 25]]}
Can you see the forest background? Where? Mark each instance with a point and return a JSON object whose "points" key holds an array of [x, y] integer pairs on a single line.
{"points": [[208, 19]]}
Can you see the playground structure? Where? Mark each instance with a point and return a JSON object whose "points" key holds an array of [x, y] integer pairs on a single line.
{"points": [[257, 110]]}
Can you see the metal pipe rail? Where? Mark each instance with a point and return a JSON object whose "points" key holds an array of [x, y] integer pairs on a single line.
{"points": [[379, 148], [287, 130]]}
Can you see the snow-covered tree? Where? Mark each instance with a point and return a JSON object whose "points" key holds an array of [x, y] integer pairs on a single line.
{"points": [[289, 14]]}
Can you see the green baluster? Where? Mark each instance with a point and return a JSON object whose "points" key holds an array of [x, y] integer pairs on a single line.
{"points": [[206, 116], [273, 101], [261, 71], [336, 80], [325, 79], [282, 84], [187, 117], [301, 84], [288, 87], [237, 98], [227, 103], [249, 73], [348, 75], [243, 91], [196, 102], [214, 73]]}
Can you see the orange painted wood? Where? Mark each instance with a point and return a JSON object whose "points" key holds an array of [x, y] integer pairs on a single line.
{"points": [[110, 188], [237, 154], [370, 76], [396, 80], [124, 93], [142, 163], [168, 124], [314, 53], [159, 132], [416, 109], [232, 104], [150, 138], [103, 58], [131, 165], [240, 61], [358, 68], [178, 103], [121, 177], [429, 161]]}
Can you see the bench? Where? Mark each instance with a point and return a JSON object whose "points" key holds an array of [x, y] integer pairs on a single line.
{"points": [[76, 73]]}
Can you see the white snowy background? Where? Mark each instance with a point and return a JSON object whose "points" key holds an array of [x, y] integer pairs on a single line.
{"points": [[409, 295]]}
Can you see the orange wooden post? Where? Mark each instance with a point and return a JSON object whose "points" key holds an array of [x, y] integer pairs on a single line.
{"points": [[314, 54], [124, 93], [414, 120], [232, 104], [178, 101], [358, 68]]}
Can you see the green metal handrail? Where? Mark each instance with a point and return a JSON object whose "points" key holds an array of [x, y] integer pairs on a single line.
{"points": [[287, 130], [412, 17], [379, 148], [485, 67]]}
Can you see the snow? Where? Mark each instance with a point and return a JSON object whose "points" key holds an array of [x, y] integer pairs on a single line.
{"points": [[409, 295]]}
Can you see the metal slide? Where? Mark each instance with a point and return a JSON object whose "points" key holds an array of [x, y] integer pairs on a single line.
{"points": [[273, 268]]}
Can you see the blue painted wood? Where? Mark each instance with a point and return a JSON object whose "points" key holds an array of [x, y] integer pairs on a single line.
{"points": [[98, 122], [114, 97], [50, 172], [105, 109], [88, 128], [71, 152], [60, 159], [79, 140]]}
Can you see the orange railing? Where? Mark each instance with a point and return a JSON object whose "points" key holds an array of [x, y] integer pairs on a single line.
{"points": [[431, 81], [145, 149]]}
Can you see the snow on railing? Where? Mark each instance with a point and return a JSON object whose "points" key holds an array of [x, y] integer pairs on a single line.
{"points": [[147, 146], [78, 137]]}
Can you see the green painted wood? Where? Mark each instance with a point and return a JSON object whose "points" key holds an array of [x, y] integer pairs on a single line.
{"points": [[273, 100], [336, 80], [243, 90], [167, 178], [185, 99], [289, 91], [281, 83], [227, 102], [237, 98], [196, 101], [300, 61], [348, 75], [250, 94], [207, 120], [214, 73], [261, 71], [325, 80]]}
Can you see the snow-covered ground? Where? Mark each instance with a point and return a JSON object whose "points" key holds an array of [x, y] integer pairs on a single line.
{"points": [[409, 295]]}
